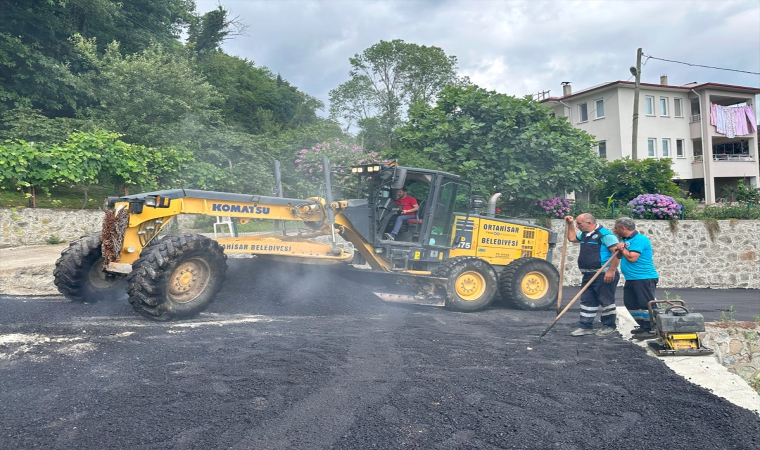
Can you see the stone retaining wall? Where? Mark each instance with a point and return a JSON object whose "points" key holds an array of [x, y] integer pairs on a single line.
{"points": [[737, 346], [688, 256], [34, 226], [684, 257]]}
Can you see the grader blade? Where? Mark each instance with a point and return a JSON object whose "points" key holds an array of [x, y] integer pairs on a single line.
{"points": [[399, 287]]}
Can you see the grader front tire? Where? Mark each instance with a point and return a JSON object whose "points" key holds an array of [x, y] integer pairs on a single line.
{"points": [[529, 283], [471, 284], [177, 278], [79, 274]]}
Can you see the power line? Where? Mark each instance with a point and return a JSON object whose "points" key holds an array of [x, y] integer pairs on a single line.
{"points": [[699, 65]]}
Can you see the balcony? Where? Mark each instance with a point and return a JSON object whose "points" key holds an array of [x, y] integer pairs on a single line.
{"points": [[725, 157], [695, 122], [740, 165]]}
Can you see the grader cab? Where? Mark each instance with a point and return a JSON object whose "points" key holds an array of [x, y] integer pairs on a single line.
{"points": [[448, 252]]}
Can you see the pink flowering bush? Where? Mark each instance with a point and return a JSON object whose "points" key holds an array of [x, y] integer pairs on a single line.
{"points": [[554, 207], [310, 173], [655, 206]]}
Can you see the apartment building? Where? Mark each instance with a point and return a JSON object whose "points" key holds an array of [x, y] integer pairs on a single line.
{"points": [[685, 123]]}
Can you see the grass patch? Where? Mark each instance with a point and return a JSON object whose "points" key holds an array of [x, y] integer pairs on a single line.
{"points": [[60, 197]]}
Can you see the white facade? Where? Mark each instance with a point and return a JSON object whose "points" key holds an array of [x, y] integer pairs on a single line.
{"points": [[670, 125]]}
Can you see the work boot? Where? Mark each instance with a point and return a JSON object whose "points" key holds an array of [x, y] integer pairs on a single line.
{"points": [[582, 332], [605, 331], [389, 237]]}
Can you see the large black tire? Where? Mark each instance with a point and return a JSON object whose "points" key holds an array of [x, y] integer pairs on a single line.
{"points": [[529, 283], [177, 277], [471, 285], [79, 275]]}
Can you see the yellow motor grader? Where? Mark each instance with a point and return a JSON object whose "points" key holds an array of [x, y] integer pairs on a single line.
{"points": [[449, 252]]}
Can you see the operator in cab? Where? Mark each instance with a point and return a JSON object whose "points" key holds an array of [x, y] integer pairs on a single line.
{"points": [[408, 207]]}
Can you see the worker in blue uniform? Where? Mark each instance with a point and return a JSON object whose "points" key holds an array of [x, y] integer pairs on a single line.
{"points": [[640, 275], [597, 247]]}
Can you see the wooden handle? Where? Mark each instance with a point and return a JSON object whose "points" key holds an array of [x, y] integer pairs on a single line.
{"points": [[562, 269], [583, 289]]}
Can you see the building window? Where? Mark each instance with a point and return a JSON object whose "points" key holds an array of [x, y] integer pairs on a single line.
{"points": [[651, 147], [677, 109], [602, 148], [663, 106], [583, 112], [599, 104], [679, 149], [666, 148], [649, 102]]}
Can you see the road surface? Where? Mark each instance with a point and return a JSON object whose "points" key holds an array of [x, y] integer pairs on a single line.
{"points": [[300, 361]]}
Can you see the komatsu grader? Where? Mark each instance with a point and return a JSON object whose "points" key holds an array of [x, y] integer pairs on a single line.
{"points": [[450, 252]]}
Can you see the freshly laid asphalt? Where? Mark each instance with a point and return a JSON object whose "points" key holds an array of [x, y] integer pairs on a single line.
{"points": [[300, 360], [714, 304]]}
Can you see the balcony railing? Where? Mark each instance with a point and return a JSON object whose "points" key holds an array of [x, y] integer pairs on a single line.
{"points": [[695, 118], [742, 157], [698, 159]]}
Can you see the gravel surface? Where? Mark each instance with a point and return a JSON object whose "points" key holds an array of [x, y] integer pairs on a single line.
{"points": [[301, 360]]}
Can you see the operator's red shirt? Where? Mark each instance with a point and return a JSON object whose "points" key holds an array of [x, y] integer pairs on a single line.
{"points": [[406, 203]]}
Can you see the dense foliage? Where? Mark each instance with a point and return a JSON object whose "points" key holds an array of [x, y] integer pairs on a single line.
{"points": [[500, 143], [118, 72], [85, 159], [624, 179]]}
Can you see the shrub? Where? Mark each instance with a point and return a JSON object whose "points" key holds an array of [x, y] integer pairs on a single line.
{"points": [[655, 206], [689, 208], [310, 172], [723, 212], [582, 206], [554, 207]]}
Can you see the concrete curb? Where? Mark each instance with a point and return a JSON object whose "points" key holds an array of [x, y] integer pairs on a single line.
{"points": [[704, 371]]}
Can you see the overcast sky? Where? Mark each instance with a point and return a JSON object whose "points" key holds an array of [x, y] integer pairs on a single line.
{"points": [[512, 47]]}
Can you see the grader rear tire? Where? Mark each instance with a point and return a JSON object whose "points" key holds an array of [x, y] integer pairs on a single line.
{"points": [[529, 283], [471, 285], [177, 278], [79, 275]]}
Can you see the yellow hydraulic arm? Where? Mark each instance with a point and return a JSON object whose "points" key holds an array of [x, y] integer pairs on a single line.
{"points": [[136, 220]]}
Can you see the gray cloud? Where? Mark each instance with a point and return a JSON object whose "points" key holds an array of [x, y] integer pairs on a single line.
{"points": [[513, 47]]}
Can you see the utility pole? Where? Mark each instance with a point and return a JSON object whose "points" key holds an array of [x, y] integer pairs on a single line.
{"points": [[636, 71]]}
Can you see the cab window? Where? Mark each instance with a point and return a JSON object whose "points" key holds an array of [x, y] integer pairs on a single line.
{"points": [[453, 199]]}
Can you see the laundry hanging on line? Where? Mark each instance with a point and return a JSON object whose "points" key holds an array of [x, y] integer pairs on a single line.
{"points": [[733, 120]]}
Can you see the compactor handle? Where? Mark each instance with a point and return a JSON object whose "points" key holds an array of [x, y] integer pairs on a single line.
{"points": [[677, 310]]}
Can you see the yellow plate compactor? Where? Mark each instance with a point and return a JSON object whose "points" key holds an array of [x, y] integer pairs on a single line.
{"points": [[677, 329]]}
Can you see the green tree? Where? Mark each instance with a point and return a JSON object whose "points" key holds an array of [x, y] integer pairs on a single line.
{"points": [[36, 55], [624, 179], [499, 143], [147, 96], [208, 32], [25, 165], [386, 78], [31, 125], [255, 99]]}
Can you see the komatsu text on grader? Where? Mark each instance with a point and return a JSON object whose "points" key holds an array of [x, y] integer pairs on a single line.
{"points": [[450, 252]]}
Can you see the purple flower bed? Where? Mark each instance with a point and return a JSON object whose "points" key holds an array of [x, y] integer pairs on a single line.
{"points": [[655, 206], [554, 207]]}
